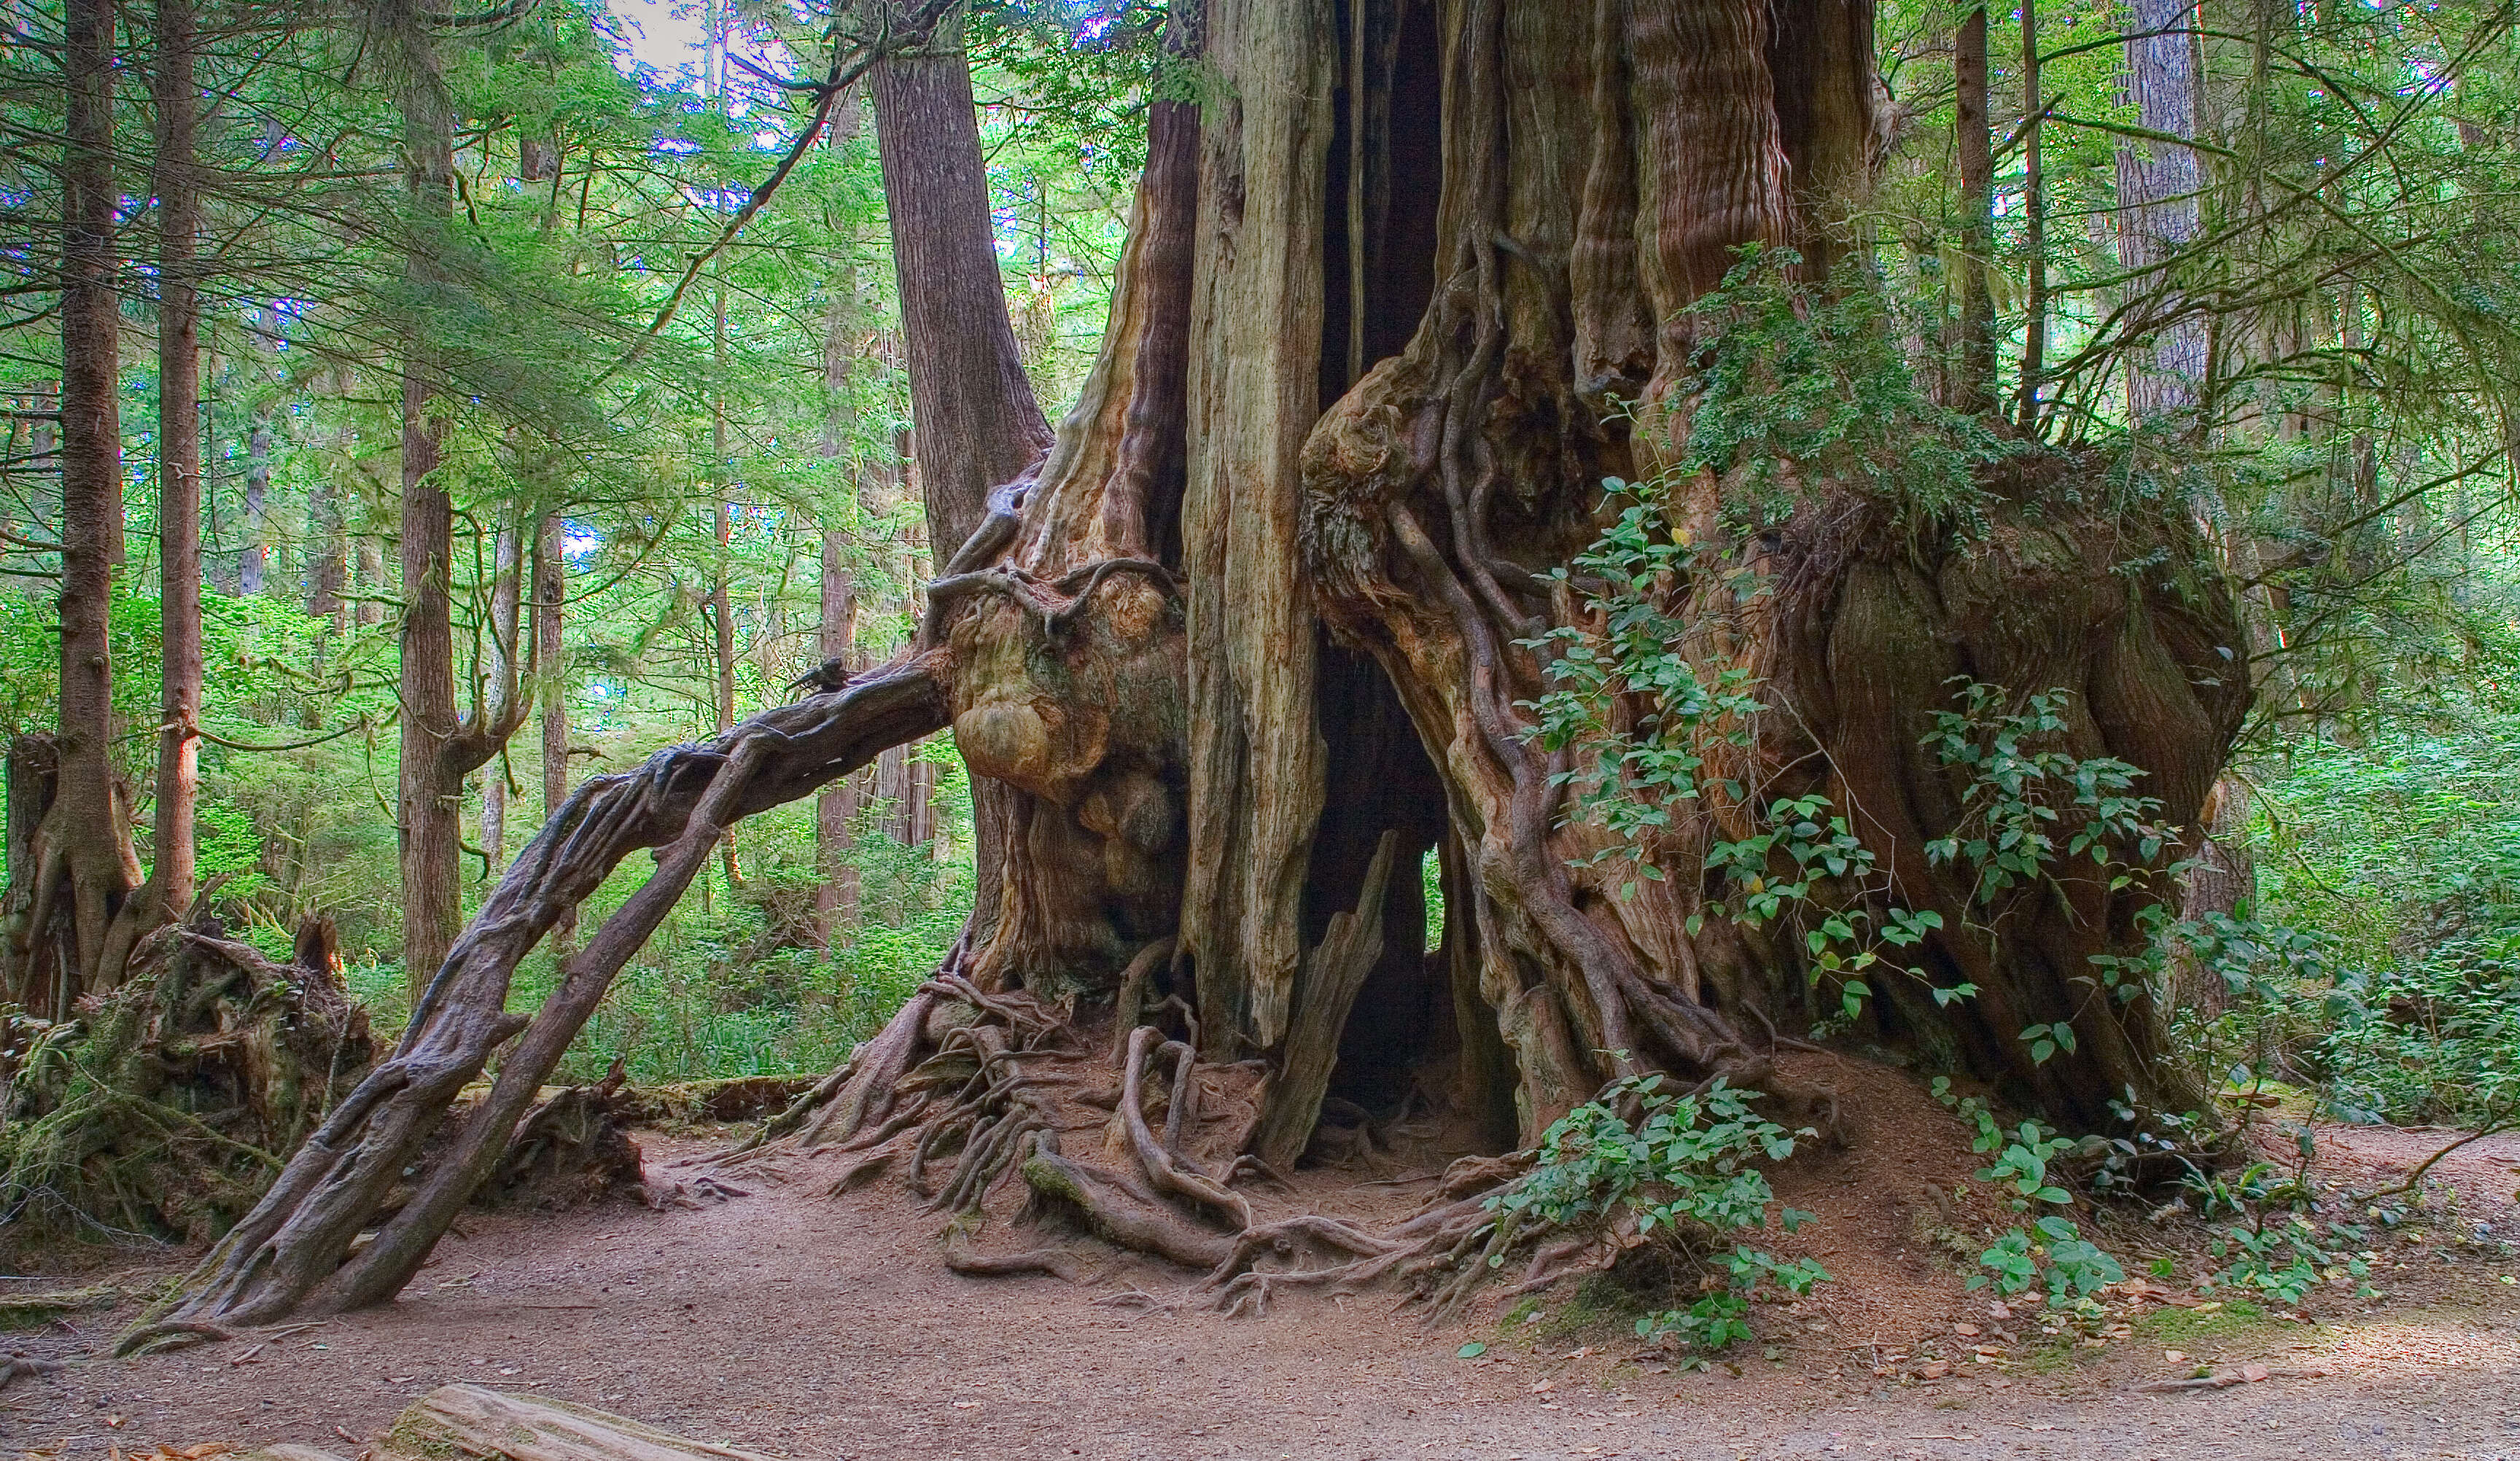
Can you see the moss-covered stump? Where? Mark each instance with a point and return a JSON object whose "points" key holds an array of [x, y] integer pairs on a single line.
{"points": [[163, 1109]]}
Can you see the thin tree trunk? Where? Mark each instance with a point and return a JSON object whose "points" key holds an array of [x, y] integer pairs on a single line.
{"points": [[439, 747], [2033, 222], [551, 586], [327, 567], [369, 610], [720, 605], [835, 890], [1975, 147], [432, 826], [179, 472], [978, 423], [835, 811], [505, 590], [257, 505], [92, 830]]}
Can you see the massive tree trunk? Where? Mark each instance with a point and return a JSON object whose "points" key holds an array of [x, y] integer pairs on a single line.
{"points": [[1260, 632]]}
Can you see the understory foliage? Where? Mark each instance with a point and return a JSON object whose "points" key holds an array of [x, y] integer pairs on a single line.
{"points": [[2381, 970], [1678, 1174]]}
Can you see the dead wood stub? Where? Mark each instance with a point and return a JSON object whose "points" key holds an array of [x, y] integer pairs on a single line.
{"points": [[1334, 973]]}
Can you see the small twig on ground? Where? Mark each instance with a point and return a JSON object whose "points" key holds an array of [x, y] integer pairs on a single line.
{"points": [[2247, 1374], [1138, 1299], [2494, 1125]]}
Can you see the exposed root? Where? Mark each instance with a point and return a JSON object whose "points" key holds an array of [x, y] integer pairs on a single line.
{"points": [[1058, 1262], [1140, 1299], [19, 1367], [1119, 1211], [987, 1083], [170, 1334]]}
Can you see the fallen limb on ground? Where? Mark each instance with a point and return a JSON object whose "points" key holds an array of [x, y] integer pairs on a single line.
{"points": [[2247, 1374], [17, 1366], [468, 1421]]}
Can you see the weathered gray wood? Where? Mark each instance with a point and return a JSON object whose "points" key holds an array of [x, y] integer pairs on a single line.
{"points": [[1256, 758], [468, 1420], [1332, 976]]}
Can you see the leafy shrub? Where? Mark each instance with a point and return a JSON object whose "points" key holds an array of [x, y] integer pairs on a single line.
{"points": [[2050, 1252], [1683, 1168]]}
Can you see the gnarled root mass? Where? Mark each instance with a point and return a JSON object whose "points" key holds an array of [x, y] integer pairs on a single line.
{"points": [[1125, 1135], [162, 1109]]}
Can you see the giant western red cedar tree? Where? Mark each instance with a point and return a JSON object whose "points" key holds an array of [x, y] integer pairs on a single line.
{"points": [[1398, 295]]}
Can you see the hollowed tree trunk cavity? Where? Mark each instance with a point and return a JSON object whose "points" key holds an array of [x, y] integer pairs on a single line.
{"points": [[1401, 288]]}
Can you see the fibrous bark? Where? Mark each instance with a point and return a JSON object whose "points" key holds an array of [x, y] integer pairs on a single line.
{"points": [[1444, 487], [2160, 200], [441, 746], [169, 894]]}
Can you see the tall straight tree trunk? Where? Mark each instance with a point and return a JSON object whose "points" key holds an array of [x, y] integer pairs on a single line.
{"points": [[253, 557], [506, 590], [427, 809], [835, 811], [721, 602], [90, 829], [977, 424], [551, 674], [2033, 222], [441, 746], [1975, 147], [169, 893], [2159, 208], [328, 568], [368, 559]]}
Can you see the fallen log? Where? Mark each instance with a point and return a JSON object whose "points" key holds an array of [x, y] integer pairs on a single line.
{"points": [[470, 1421]]}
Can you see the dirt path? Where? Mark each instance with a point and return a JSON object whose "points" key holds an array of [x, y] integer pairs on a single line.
{"points": [[812, 1327]]}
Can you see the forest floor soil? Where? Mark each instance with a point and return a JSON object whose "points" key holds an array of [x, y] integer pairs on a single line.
{"points": [[799, 1324]]}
